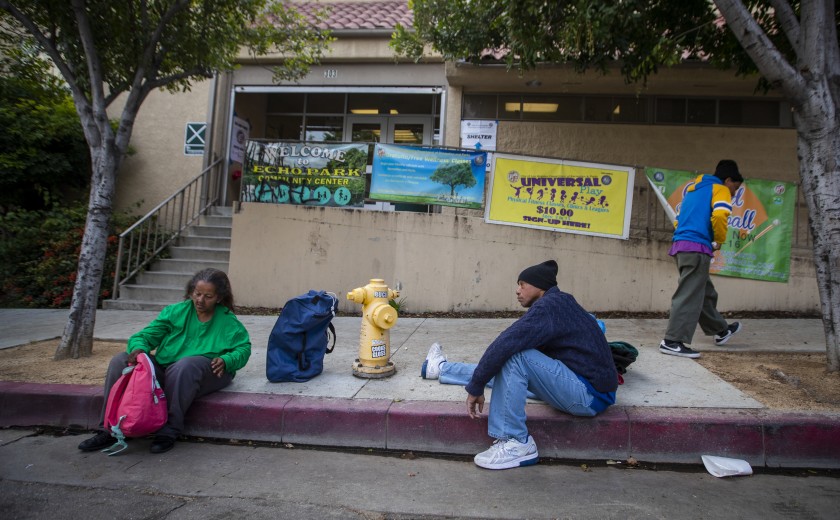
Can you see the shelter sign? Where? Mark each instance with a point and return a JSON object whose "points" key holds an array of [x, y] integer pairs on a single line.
{"points": [[758, 241], [479, 134], [567, 196], [307, 174], [428, 176]]}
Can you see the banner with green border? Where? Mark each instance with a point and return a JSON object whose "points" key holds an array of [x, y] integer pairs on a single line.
{"points": [[760, 227], [312, 174]]}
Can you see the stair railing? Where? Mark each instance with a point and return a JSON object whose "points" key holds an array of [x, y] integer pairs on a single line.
{"points": [[144, 241]]}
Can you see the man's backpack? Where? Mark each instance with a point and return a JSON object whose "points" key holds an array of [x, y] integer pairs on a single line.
{"points": [[136, 404], [300, 337]]}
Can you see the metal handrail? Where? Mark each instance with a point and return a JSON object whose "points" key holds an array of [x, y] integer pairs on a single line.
{"points": [[141, 243]]}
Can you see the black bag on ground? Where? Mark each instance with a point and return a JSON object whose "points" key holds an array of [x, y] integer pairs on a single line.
{"points": [[300, 337], [624, 354]]}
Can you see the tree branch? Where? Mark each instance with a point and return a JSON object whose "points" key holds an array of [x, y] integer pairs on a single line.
{"points": [[770, 62], [790, 24], [47, 43]]}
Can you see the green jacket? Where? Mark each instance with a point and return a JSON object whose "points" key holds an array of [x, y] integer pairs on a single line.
{"points": [[177, 333]]}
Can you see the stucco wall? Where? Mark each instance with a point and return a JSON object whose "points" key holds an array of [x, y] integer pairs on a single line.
{"points": [[451, 262], [760, 153], [159, 166]]}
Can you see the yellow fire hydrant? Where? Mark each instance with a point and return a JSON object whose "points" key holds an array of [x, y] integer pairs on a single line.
{"points": [[375, 340]]}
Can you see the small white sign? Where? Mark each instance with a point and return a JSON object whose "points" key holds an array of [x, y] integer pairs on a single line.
{"points": [[237, 140], [479, 134]]}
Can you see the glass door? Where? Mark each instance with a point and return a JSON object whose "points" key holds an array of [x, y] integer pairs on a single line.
{"points": [[407, 130], [410, 130], [372, 129]]}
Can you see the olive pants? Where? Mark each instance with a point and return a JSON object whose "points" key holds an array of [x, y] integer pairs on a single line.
{"points": [[694, 301]]}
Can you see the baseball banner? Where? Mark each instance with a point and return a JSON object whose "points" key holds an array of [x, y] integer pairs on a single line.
{"points": [[760, 227], [567, 196]]}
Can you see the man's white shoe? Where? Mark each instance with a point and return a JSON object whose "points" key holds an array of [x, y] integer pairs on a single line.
{"points": [[508, 454], [431, 366]]}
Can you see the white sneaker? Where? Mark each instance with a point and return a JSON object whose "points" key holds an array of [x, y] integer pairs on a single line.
{"points": [[431, 366], [508, 454]]}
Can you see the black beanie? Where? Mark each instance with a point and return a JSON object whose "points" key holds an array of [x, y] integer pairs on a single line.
{"points": [[728, 169], [542, 276]]}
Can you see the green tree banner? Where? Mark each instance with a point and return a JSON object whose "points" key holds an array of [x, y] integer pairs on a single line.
{"points": [[428, 175], [760, 227], [305, 173]]}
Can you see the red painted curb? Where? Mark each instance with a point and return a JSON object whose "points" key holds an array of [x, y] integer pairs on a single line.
{"points": [[672, 435]]}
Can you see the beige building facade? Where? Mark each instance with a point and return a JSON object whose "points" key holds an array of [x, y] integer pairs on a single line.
{"points": [[445, 259]]}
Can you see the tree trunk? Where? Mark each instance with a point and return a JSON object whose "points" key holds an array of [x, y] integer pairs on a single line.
{"points": [[818, 127], [77, 340]]}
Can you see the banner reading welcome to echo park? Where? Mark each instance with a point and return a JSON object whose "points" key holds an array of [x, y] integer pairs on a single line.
{"points": [[305, 173], [758, 241], [568, 196]]}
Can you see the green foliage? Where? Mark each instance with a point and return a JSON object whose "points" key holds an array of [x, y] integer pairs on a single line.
{"points": [[397, 304], [43, 154], [166, 44], [453, 175], [39, 254], [635, 35]]}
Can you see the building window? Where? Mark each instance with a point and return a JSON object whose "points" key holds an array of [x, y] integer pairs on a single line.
{"points": [[321, 116], [628, 109]]}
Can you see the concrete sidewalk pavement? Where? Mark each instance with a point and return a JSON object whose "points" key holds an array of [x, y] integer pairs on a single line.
{"points": [[669, 409]]}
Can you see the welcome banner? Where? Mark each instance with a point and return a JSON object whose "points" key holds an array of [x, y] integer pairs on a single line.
{"points": [[758, 241], [567, 196], [305, 173], [428, 176]]}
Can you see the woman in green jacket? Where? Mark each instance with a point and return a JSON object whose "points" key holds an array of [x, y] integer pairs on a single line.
{"points": [[196, 345]]}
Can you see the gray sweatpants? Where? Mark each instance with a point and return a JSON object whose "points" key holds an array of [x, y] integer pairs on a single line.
{"points": [[694, 301], [183, 382]]}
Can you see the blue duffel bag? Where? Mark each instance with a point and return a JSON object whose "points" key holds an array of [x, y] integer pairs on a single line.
{"points": [[300, 338]]}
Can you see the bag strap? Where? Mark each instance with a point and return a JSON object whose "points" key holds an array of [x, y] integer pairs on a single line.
{"points": [[303, 364], [331, 333]]}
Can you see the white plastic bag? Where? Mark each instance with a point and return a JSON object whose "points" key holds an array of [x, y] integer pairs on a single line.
{"points": [[725, 467]]}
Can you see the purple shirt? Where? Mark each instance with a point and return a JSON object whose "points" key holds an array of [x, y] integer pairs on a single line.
{"points": [[684, 246]]}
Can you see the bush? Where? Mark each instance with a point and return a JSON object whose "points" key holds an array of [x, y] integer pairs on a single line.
{"points": [[39, 255]]}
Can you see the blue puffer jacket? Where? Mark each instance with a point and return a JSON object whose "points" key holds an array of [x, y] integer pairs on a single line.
{"points": [[560, 328]]}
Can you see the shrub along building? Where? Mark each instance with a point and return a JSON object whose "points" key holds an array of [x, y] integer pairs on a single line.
{"points": [[449, 258]]}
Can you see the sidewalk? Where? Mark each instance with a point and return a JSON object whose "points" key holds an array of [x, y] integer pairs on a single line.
{"points": [[669, 409]]}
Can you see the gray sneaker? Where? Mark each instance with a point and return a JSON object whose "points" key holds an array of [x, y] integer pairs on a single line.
{"points": [[728, 332], [431, 366], [675, 348], [508, 454]]}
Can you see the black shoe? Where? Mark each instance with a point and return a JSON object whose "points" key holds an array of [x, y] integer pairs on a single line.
{"points": [[162, 444], [728, 332], [675, 348], [100, 441]]}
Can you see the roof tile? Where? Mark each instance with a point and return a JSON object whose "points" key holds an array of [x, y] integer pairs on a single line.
{"points": [[359, 15]]}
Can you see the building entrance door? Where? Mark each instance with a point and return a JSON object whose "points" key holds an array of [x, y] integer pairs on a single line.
{"points": [[415, 130]]}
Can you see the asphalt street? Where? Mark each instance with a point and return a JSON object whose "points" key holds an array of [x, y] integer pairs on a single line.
{"points": [[44, 476]]}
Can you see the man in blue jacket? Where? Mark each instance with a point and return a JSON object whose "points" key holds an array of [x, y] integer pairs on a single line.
{"points": [[701, 229], [555, 352]]}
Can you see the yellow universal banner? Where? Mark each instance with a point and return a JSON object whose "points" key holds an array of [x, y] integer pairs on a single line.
{"points": [[568, 196]]}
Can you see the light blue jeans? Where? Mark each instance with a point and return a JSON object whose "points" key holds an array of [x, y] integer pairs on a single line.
{"points": [[528, 374]]}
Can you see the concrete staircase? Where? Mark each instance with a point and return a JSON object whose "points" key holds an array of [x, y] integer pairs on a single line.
{"points": [[206, 244]]}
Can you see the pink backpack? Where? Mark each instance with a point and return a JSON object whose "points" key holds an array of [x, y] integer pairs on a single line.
{"points": [[136, 405]]}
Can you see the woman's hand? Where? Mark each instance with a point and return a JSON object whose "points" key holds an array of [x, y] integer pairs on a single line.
{"points": [[132, 356], [218, 366]]}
